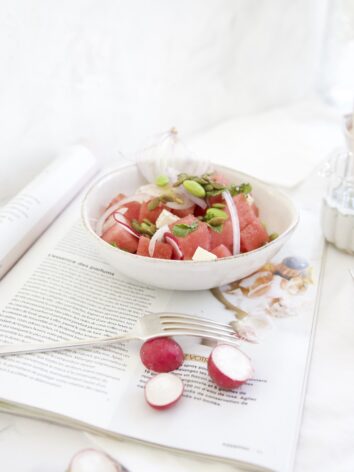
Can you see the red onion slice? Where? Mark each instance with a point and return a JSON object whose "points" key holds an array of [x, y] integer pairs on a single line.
{"points": [[234, 221], [110, 221], [123, 222], [135, 198], [172, 241], [158, 236]]}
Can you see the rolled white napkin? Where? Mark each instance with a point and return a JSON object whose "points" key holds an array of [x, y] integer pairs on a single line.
{"points": [[281, 146], [24, 218]]}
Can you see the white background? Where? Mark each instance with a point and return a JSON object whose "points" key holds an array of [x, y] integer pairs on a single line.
{"points": [[111, 72]]}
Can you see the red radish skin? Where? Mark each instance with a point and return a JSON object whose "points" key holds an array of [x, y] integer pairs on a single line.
{"points": [[163, 391], [229, 367], [161, 354]]}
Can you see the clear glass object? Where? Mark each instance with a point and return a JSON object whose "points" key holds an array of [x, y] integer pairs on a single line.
{"points": [[338, 203]]}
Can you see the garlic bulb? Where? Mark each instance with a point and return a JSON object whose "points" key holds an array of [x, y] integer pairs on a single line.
{"points": [[168, 155]]}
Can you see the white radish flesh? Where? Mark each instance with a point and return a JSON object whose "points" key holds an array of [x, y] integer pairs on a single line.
{"points": [[228, 366], [92, 460], [163, 391]]}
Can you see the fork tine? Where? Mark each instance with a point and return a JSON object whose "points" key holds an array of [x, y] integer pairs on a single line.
{"points": [[199, 332], [195, 324], [202, 334], [181, 316]]}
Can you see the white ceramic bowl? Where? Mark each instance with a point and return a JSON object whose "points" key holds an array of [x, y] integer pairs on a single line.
{"points": [[276, 210]]}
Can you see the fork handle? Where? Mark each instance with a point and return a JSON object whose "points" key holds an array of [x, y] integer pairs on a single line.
{"points": [[26, 348]]}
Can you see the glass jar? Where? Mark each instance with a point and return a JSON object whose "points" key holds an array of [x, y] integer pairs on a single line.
{"points": [[338, 203]]}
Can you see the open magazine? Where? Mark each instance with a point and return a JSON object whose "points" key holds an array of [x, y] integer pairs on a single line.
{"points": [[62, 289]]}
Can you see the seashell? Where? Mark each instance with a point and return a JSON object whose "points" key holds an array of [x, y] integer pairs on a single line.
{"points": [[287, 272], [294, 285], [278, 308], [256, 279], [296, 263]]}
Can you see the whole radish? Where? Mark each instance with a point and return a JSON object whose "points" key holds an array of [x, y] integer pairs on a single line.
{"points": [[161, 354], [229, 367]]}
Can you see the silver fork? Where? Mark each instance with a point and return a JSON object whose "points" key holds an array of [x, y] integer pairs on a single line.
{"points": [[150, 326]]}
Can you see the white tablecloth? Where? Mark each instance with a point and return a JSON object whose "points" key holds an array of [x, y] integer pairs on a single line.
{"points": [[326, 441]]}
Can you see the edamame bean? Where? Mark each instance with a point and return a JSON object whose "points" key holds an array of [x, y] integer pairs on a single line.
{"points": [[194, 188], [216, 213]]}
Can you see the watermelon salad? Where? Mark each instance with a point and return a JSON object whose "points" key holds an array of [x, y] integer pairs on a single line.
{"points": [[187, 217]]}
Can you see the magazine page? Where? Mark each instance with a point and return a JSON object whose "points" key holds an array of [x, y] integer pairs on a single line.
{"points": [[61, 289], [258, 422]]}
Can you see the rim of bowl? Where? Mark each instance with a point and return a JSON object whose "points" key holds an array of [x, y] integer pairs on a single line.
{"points": [[152, 260]]}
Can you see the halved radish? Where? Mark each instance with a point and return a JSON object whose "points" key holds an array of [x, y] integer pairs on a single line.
{"points": [[163, 391], [161, 354], [92, 460], [228, 366]]}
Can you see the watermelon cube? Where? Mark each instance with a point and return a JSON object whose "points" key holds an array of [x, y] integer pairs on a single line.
{"points": [[116, 199], [225, 237], [151, 215], [143, 246], [198, 237], [253, 236], [185, 212], [133, 211], [221, 251], [246, 213], [220, 179], [118, 235], [162, 250]]}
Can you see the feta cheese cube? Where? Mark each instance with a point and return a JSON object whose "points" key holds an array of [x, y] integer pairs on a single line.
{"points": [[166, 218], [203, 255]]}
